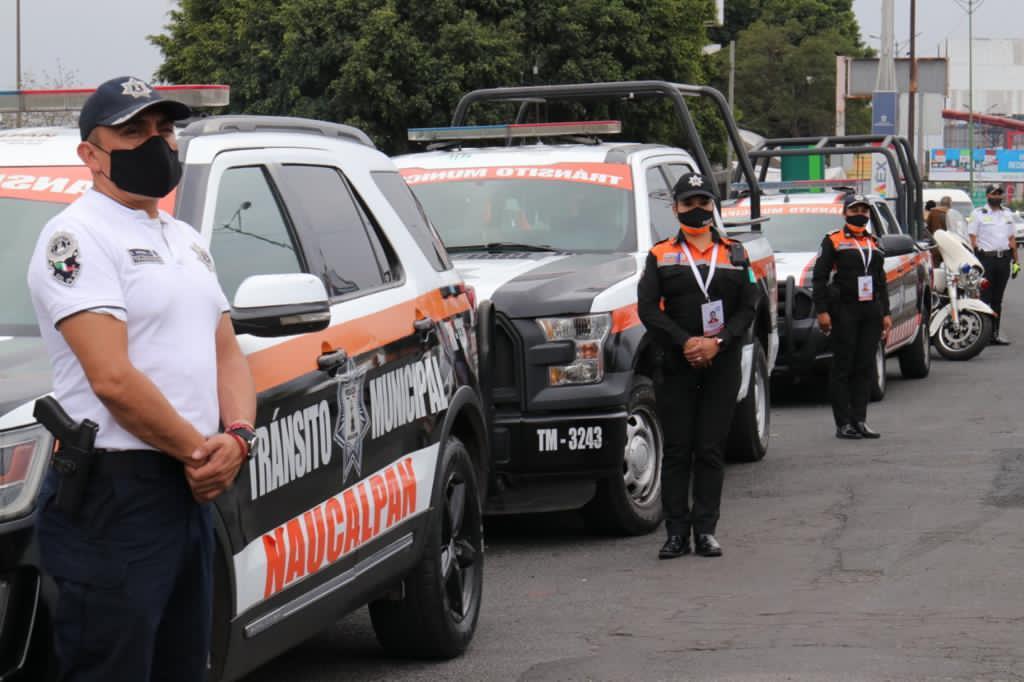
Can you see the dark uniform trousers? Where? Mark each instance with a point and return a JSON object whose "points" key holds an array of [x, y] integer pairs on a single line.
{"points": [[856, 333], [695, 408], [134, 576], [997, 271]]}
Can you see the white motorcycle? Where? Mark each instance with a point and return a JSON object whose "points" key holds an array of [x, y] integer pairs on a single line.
{"points": [[961, 323]]}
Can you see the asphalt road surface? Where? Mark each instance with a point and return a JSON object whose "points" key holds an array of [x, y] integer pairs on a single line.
{"points": [[898, 559]]}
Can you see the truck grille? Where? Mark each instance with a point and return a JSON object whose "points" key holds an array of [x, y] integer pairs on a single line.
{"points": [[507, 363]]}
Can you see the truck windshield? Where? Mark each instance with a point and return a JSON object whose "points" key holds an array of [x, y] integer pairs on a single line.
{"points": [[22, 220], [592, 211], [794, 232]]}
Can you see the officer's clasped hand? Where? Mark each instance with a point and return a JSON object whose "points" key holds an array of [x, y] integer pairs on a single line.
{"points": [[699, 351], [216, 464], [825, 323]]}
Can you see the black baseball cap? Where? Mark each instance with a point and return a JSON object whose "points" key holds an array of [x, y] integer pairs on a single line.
{"points": [[693, 184], [995, 189], [852, 199], [120, 99]]}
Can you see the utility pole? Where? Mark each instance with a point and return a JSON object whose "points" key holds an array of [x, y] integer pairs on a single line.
{"points": [[912, 96], [17, 61], [970, 94], [970, 6], [732, 94]]}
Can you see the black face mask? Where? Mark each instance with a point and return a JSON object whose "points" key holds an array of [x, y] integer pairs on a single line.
{"points": [[858, 220], [696, 217], [995, 203], [152, 169]]}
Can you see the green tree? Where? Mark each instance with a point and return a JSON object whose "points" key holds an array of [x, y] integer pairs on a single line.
{"points": [[387, 65], [786, 62]]}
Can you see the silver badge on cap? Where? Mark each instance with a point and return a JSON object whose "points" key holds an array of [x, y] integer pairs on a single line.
{"points": [[696, 181], [133, 87]]}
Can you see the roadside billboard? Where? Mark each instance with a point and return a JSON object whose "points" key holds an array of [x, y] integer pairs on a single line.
{"points": [[990, 165]]}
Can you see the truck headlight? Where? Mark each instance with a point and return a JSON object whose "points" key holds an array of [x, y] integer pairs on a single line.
{"points": [[588, 333], [24, 455]]}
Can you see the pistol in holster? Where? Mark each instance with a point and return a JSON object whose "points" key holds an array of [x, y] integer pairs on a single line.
{"points": [[75, 455]]}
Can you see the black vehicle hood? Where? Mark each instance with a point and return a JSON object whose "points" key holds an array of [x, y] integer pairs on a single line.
{"points": [[24, 371], [545, 285]]}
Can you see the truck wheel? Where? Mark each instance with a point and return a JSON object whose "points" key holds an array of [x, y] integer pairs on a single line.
{"points": [[748, 437], [878, 385], [438, 613], [631, 504], [916, 359]]}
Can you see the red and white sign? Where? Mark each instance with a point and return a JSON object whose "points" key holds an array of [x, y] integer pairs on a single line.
{"points": [[604, 174], [333, 529]]}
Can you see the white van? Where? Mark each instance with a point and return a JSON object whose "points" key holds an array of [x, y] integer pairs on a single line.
{"points": [[961, 199]]}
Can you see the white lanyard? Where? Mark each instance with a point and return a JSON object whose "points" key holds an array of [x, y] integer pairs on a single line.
{"points": [[866, 257], [702, 283]]}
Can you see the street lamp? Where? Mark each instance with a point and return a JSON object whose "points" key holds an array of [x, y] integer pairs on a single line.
{"points": [[17, 59], [970, 6]]}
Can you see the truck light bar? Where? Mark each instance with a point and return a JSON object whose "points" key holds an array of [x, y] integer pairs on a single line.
{"points": [[195, 96], [507, 131], [835, 183]]}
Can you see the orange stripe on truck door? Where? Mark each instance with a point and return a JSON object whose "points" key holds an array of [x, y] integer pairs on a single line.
{"points": [[293, 358]]}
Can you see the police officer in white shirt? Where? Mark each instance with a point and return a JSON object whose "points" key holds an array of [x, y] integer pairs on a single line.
{"points": [[993, 237], [140, 340]]}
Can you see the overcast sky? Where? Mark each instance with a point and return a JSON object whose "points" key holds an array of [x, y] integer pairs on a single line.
{"points": [[100, 39], [938, 20]]}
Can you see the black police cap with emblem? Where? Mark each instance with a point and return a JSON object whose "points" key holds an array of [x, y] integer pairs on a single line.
{"points": [[994, 189], [120, 99], [693, 184], [852, 199]]}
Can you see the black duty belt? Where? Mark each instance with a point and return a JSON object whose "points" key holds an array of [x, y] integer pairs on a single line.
{"points": [[129, 463], [994, 254]]}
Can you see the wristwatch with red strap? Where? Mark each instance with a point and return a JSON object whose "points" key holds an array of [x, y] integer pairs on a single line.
{"points": [[245, 434]]}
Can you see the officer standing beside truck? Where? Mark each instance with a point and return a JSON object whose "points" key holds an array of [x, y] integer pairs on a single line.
{"points": [[994, 238], [697, 298], [852, 302], [136, 327]]}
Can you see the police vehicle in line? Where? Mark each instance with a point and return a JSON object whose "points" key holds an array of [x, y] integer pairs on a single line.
{"points": [[802, 212], [552, 226], [367, 476]]}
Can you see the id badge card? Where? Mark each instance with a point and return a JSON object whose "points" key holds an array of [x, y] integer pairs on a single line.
{"points": [[865, 288], [713, 317]]}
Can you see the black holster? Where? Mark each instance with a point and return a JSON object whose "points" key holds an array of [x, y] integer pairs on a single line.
{"points": [[73, 461]]}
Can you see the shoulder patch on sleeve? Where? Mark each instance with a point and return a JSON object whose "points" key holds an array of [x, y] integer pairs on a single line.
{"points": [[64, 258]]}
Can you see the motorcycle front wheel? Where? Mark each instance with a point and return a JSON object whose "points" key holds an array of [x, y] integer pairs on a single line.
{"points": [[964, 340]]}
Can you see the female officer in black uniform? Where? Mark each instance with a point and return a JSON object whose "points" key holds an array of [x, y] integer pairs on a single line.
{"points": [[709, 296], [854, 309]]}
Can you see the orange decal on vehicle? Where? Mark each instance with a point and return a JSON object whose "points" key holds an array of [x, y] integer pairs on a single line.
{"points": [[290, 359], [624, 318], [319, 537], [605, 174], [53, 184]]}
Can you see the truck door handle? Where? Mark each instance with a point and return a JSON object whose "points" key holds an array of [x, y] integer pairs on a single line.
{"points": [[332, 361]]}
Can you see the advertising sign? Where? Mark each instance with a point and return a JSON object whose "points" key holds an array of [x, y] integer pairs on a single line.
{"points": [[990, 165]]}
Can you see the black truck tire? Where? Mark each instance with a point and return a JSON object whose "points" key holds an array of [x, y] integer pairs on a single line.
{"points": [[916, 359], [878, 374], [631, 504], [439, 610], [751, 423]]}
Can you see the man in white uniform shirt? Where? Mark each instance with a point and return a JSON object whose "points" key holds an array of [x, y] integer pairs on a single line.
{"points": [[139, 336], [993, 237]]}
